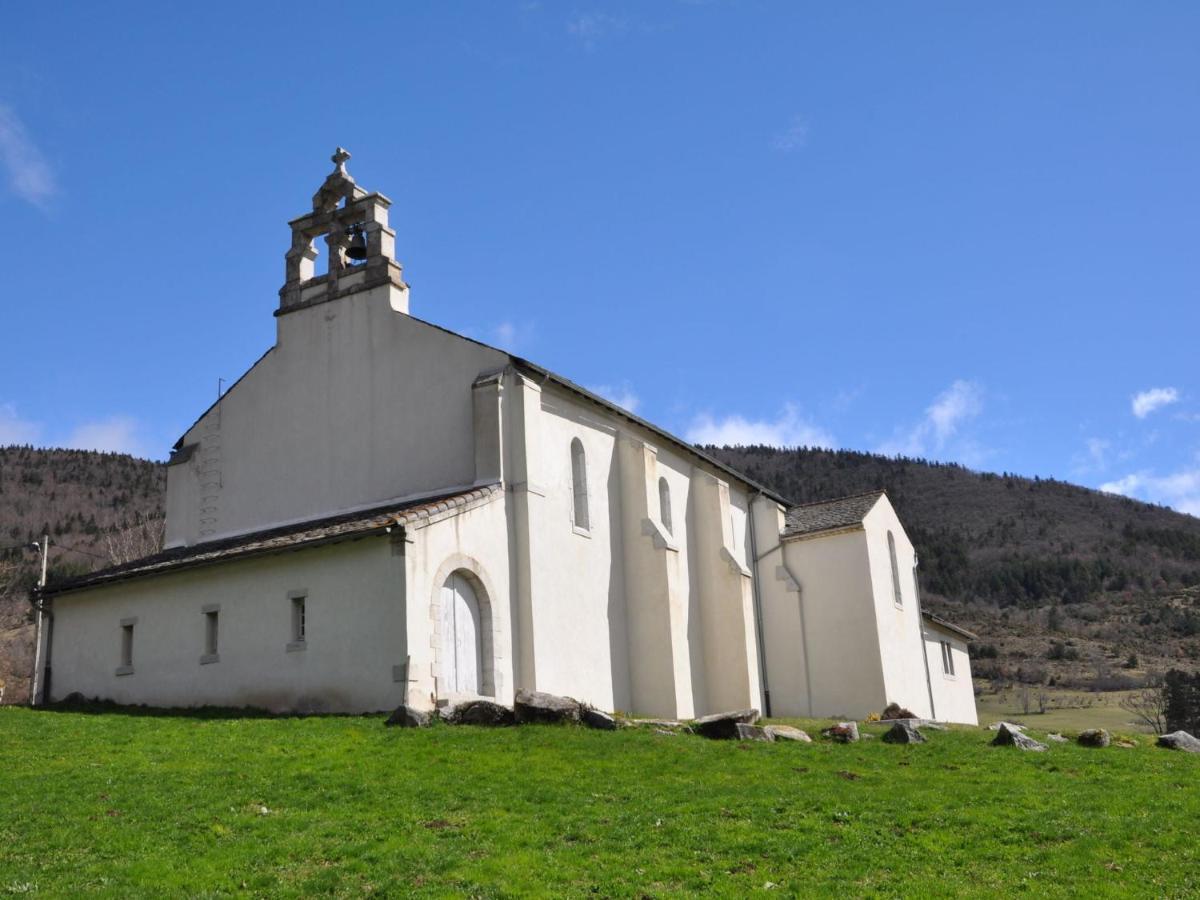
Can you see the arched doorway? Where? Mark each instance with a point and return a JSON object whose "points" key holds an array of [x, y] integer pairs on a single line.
{"points": [[461, 655]]}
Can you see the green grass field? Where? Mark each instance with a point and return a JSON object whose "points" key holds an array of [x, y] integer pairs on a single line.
{"points": [[1067, 711], [127, 805]]}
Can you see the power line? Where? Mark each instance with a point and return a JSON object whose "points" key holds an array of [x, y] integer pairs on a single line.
{"points": [[84, 552]]}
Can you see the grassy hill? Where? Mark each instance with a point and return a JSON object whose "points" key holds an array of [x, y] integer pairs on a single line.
{"points": [[129, 805], [97, 508], [1063, 584], [1066, 586]]}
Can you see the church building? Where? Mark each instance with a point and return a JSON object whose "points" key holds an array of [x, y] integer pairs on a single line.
{"points": [[383, 512]]}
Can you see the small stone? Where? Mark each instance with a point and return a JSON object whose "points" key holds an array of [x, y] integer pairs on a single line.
{"points": [[407, 717], [996, 726], [1056, 738], [1179, 740], [903, 733], [478, 712], [536, 706], [651, 723], [668, 732], [788, 733], [1006, 737], [723, 726], [843, 732], [1093, 737], [594, 718], [896, 711], [753, 733]]}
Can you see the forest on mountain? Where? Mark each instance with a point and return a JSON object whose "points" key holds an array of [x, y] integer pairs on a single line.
{"points": [[1064, 585]]}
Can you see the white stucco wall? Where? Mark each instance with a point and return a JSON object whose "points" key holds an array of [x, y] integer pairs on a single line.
{"points": [[898, 624], [356, 633], [356, 404], [953, 695]]}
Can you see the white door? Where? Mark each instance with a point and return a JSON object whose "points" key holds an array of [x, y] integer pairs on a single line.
{"points": [[460, 637]]}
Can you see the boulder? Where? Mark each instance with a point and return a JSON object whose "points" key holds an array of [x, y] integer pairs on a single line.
{"points": [[723, 726], [1056, 738], [788, 733], [996, 726], [842, 732], [1179, 740], [903, 733], [594, 718], [1010, 737], [1093, 737], [407, 717], [753, 733], [535, 706], [896, 711], [478, 712], [665, 724]]}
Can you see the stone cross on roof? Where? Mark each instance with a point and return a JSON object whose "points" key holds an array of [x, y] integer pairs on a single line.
{"points": [[340, 156]]}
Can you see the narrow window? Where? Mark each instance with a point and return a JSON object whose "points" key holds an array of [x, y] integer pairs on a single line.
{"points": [[664, 504], [579, 484], [947, 658], [127, 646], [895, 571], [298, 619], [210, 633]]}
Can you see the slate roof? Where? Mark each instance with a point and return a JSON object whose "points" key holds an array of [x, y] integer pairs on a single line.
{"points": [[325, 530], [939, 622], [828, 515]]}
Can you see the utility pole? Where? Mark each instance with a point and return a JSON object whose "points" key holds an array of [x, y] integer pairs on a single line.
{"points": [[44, 549]]}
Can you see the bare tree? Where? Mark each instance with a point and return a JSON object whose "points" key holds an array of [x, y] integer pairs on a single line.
{"points": [[1149, 707], [143, 538]]}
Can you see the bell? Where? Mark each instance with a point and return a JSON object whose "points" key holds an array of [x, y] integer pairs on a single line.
{"points": [[357, 249]]}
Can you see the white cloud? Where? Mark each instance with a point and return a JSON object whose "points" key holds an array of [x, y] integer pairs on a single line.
{"points": [[1179, 490], [1098, 451], [594, 26], [14, 429], [793, 139], [511, 336], [943, 419], [117, 434], [29, 175], [789, 429], [1147, 402], [623, 396]]}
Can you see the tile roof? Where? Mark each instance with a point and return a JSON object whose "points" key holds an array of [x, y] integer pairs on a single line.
{"points": [[827, 515], [286, 537]]}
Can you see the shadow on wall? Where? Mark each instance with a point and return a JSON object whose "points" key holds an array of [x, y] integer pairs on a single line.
{"points": [[618, 629]]}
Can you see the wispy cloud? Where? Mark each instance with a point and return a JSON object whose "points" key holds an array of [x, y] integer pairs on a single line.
{"points": [[789, 429], [1179, 490], [512, 336], [591, 27], [793, 139], [16, 430], [1147, 402], [117, 434], [29, 175], [623, 396], [943, 419]]}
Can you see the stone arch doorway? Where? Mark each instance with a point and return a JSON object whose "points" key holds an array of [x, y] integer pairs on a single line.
{"points": [[465, 640]]}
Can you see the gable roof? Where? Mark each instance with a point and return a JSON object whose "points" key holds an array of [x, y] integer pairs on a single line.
{"points": [[828, 515], [939, 622], [299, 535]]}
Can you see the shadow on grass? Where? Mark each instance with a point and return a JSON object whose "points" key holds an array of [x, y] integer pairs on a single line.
{"points": [[95, 707]]}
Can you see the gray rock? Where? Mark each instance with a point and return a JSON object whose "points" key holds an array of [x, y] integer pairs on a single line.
{"points": [[478, 712], [1010, 737], [1056, 738], [1179, 740], [723, 726], [903, 733], [1093, 737], [788, 733], [753, 733], [665, 724], [843, 732], [996, 726], [895, 711], [407, 717], [535, 706], [594, 718]]}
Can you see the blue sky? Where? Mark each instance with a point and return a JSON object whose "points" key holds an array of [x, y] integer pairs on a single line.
{"points": [[960, 231]]}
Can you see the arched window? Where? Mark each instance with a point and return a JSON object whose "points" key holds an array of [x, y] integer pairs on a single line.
{"points": [[579, 484], [664, 504], [895, 570]]}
